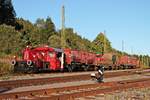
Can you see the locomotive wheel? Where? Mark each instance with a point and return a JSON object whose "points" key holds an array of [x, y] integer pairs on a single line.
{"points": [[69, 68], [124, 67], [85, 68], [31, 69], [15, 68], [110, 68]]}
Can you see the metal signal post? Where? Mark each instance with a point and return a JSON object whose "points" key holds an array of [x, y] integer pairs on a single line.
{"points": [[63, 43]]}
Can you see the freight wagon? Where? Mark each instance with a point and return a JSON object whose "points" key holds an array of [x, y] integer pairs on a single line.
{"points": [[112, 61]]}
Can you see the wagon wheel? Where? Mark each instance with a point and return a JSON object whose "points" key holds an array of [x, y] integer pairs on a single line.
{"points": [[110, 67], [118, 67], [85, 68], [124, 67]]}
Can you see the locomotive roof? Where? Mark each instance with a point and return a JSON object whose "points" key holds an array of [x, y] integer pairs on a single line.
{"points": [[48, 49], [44, 49], [58, 50]]}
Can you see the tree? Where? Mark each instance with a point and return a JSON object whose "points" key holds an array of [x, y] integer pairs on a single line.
{"points": [[75, 41], [27, 30], [47, 29], [103, 43], [40, 23], [54, 41], [7, 13], [50, 25], [9, 40]]}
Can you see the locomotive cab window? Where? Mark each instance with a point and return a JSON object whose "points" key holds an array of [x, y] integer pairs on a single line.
{"points": [[59, 54]]}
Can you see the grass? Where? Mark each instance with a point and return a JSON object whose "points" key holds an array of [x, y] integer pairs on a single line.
{"points": [[145, 66], [5, 68]]}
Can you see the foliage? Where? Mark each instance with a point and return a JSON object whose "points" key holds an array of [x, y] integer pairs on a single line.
{"points": [[5, 68], [7, 13], [103, 43], [74, 41], [9, 40], [144, 60], [54, 41], [26, 28], [36, 34], [46, 29]]}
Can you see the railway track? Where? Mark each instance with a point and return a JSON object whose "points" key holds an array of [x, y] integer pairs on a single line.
{"points": [[72, 92], [68, 92], [40, 81]]}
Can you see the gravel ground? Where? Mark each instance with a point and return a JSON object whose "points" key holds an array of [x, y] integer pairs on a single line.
{"points": [[40, 75], [46, 75], [76, 83], [129, 94]]}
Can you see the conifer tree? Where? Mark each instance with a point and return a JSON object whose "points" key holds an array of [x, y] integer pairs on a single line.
{"points": [[104, 44], [7, 13]]}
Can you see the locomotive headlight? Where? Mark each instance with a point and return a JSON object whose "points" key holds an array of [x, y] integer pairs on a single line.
{"points": [[29, 62], [14, 57], [13, 62]]}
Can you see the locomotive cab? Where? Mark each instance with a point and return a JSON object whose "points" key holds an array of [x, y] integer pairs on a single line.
{"points": [[55, 58]]}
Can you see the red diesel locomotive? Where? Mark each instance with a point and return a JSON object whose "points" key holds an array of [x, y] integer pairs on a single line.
{"points": [[52, 59]]}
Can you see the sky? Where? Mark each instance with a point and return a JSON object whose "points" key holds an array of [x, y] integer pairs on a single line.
{"points": [[126, 21]]}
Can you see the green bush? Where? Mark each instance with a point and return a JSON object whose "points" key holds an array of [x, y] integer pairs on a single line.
{"points": [[9, 40]]}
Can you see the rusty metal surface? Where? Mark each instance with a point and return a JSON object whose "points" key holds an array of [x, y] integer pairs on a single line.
{"points": [[72, 92], [41, 81]]}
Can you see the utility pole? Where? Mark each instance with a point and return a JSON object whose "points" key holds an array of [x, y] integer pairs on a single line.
{"points": [[63, 43]]}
